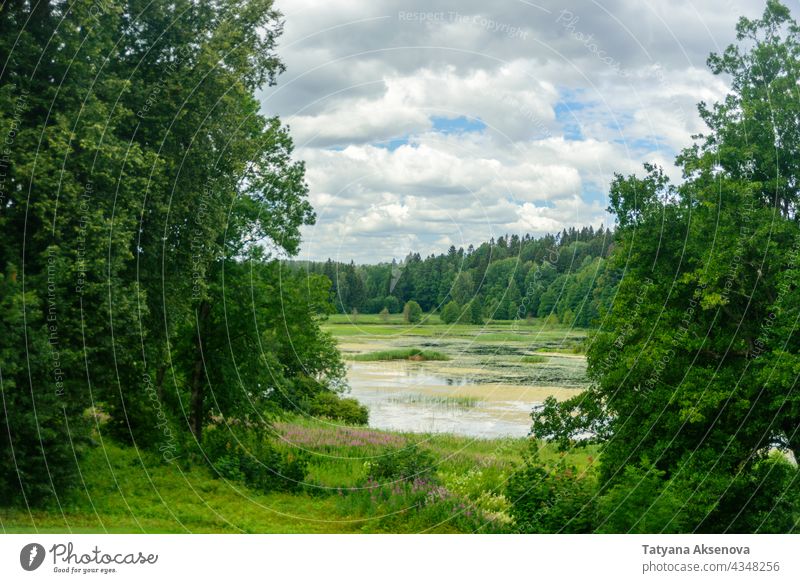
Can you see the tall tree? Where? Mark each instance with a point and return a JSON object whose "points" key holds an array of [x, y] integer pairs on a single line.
{"points": [[693, 384]]}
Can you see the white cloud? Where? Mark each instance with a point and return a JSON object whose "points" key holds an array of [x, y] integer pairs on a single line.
{"points": [[559, 119]]}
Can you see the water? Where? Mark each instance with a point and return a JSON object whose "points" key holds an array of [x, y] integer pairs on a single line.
{"points": [[402, 396]]}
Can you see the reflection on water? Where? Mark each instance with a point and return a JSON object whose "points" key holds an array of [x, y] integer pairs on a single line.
{"points": [[500, 410]]}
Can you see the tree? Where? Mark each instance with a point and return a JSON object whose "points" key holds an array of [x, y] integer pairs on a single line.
{"points": [[261, 344], [451, 313], [690, 369], [69, 188], [463, 288], [143, 179], [475, 311], [392, 304], [412, 312]]}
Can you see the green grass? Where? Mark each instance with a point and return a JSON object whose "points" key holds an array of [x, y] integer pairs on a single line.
{"points": [[534, 359], [432, 325], [129, 493], [135, 492], [402, 354], [454, 402]]}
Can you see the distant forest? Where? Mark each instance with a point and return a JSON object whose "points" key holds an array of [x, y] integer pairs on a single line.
{"points": [[563, 277]]}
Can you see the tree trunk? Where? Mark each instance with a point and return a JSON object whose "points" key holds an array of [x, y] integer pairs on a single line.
{"points": [[197, 415]]}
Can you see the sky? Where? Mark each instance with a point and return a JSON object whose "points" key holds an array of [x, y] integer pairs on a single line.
{"points": [[425, 124]]}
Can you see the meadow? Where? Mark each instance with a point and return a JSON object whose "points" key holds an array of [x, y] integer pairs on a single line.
{"points": [[357, 479], [130, 491]]}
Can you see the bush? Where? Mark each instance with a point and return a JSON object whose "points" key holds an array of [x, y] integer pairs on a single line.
{"points": [[641, 501], [550, 499], [451, 313], [392, 304], [248, 456], [408, 463], [385, 315], [412, 312], [330, 405]]}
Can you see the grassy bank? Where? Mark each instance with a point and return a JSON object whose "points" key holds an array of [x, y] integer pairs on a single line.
{"points": [[127, 491]]}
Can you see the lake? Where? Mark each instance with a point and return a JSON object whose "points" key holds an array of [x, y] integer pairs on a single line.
{"points": [[406, 396], [486, 389]]}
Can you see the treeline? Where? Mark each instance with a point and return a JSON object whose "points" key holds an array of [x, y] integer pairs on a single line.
{"points": [[564, 277], [141, 194]]}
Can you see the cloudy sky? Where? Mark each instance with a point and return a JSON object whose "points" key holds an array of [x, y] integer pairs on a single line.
{"points": [[430, 123]]}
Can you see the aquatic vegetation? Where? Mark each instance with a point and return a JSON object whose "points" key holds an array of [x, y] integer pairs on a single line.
{"points": [[455, 402], [416, 354]]}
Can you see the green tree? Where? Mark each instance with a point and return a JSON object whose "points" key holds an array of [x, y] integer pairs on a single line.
{"points": [[475, 311], [463, 288], [412, 312], [684, 368], [142, 178], [451, 313]]}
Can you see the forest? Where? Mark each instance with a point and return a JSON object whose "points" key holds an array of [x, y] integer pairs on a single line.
{"points": [[563, 277]]}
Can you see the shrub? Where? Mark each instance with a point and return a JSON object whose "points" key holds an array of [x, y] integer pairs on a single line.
{"points": [[392, 304], [550, 499], [451, 313], [385, 314], [407, 463], [330, 405], [641, 501], [412, 312], [248, 456]]}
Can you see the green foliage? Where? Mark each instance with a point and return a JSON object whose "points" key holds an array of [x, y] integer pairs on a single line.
{"points": [[44, 429], [158, 194], [412, 312], [330, 406], [504, 279], [551, 497], [402, 354], [642, 501], [406, 463], [451, 313], [694, 368], [250, 457], [475, 312]]}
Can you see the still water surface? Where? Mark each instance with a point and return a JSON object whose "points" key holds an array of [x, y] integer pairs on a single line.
{"points": [[421, 397]]}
